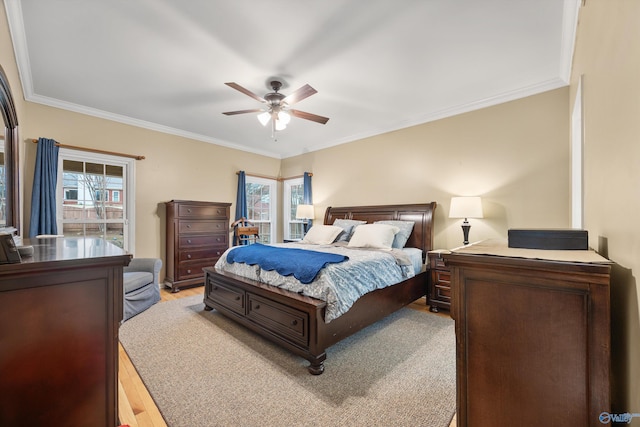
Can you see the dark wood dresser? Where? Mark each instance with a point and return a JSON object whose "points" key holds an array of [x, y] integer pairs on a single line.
{"points": [[60, 311], [439, 292], [533, 336], [197, 234]]}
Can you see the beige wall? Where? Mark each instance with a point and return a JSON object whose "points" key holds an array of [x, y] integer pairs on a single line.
{"points": [[173, 168], [607, 57], [515, 155]]}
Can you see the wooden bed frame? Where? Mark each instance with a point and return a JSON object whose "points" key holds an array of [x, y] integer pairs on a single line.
{"points": [[296, 322]]}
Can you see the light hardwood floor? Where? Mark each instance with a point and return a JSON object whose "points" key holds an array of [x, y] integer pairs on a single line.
{"points": [[135, 405]]}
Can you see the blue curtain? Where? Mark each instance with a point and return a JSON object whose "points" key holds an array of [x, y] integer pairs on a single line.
{"points": [[307, 197], [43, 196], [241, 200]]}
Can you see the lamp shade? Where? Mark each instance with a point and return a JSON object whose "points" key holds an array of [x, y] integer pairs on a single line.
{"points": [[264, 118], [465, 207], [304, 212]]}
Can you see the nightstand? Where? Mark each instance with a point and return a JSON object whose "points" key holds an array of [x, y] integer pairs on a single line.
{"points": [[439, 292]]}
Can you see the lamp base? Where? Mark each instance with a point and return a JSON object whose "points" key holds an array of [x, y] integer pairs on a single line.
{"points": [[465, 231]]}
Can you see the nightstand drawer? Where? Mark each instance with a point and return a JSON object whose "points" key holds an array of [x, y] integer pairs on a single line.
{"points": [[442, 277], [442, 293], [439, 295]]}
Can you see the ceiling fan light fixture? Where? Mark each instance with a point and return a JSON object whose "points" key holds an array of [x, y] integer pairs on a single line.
{"points": [[264, 118], [280, 125], [276, 103], [284, 117]]}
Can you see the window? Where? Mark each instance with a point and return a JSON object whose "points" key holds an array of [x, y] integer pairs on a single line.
{"points": [[102, 195], [70, 194], [85, 208], [261, 206], [293, 196]]}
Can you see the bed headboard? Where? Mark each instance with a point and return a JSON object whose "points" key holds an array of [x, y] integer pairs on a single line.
{"points": [[421, 214]]}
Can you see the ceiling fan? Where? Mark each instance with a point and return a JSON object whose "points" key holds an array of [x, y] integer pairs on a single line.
{"points": [[278, 106]]}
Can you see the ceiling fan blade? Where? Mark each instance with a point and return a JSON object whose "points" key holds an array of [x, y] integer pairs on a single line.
{"points": [[300, 94], [309, 116], [231, 113], [237, 87]]}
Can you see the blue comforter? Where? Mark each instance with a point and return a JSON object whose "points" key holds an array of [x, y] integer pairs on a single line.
{"points": [[304, 265]]}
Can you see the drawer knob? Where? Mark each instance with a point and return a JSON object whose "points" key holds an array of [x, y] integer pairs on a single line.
{"points": [[188, 225], [189, 210], [238, 298], [294, 322], [189, 256], [188, 271], [257, 306], [188, 240], [218, 253]]}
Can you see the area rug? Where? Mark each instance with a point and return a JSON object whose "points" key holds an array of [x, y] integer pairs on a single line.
{"points": [[203, 369]]}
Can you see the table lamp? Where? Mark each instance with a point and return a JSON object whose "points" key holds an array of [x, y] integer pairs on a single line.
{"points": [[305, 212], [465, 207]]}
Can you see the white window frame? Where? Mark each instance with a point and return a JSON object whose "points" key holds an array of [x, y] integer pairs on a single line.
{"points": [[287, 184], [273, 204], [129, 206]]}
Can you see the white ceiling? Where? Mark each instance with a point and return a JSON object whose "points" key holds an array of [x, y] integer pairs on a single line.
{"points": [[378, 65]]}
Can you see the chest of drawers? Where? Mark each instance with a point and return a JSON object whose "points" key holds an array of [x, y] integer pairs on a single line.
{"points": [[533, 337], [197, 234]]}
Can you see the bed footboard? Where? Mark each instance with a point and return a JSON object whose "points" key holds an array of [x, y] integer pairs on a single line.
{"points": [[286, 318], [296, 322]]}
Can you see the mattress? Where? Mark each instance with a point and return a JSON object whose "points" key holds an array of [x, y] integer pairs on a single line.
{"points": [[339, 285]]}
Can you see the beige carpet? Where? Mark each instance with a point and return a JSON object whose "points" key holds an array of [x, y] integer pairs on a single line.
{"points": [[205, 370]]}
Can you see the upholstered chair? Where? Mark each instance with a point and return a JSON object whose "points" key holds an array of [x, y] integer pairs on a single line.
{"points": [[141, 285]]}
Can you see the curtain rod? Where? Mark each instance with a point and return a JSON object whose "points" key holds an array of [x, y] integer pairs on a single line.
{"points": [[93, 150], [274, 178]]}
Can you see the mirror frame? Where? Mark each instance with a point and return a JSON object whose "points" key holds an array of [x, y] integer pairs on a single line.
{"points": [[10, 117]]}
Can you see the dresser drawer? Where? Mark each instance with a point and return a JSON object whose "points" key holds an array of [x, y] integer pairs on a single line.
{"points": [[233, 299], [200, 254], [202, 226], [199, 211], [287, 322], [193, 269], [218, 240]]}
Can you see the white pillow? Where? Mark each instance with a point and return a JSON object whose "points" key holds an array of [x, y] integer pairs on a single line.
{"points": [[322, 234], [378, 236]]}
